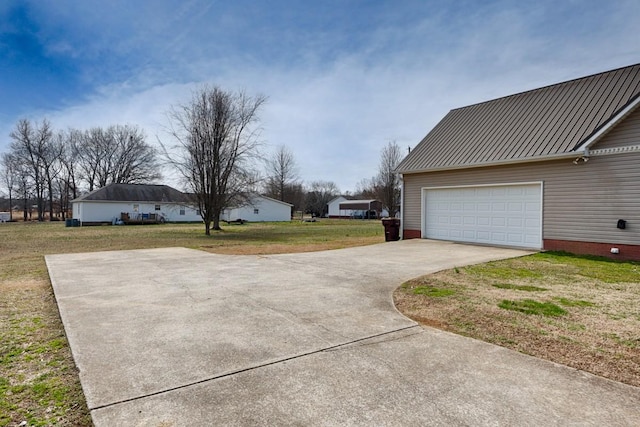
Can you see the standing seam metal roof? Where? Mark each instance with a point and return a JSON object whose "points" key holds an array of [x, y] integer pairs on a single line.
{"points": [[550, 120]]}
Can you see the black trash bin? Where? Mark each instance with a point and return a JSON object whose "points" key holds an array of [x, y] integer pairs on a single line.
{"points": [[391, 229]]}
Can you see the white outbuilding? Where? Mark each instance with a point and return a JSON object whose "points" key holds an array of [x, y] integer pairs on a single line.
{"points": [[259, 209]]}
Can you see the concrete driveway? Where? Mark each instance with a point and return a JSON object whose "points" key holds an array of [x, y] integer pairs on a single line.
{"points": [[174, 337]]}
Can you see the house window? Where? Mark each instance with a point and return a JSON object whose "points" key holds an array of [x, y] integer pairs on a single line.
{"points": [[135, 208], [256, 211], [157, 207], [182, 212]]}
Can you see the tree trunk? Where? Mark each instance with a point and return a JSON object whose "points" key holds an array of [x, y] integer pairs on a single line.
{"points": [[50, 187], [216, 223], [207, 228]]}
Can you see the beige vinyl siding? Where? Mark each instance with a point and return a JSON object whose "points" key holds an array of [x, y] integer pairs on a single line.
{"points": [[580, 202], [625, 134]]}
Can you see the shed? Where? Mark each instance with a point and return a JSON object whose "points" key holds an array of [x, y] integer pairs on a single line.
{"points": [[260, 209], [552, 168]]}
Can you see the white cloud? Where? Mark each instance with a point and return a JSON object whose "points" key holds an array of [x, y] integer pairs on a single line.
{"points": [[337, 115]]}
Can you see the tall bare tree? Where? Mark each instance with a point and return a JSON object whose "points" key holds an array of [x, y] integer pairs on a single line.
{"points": [[32, 146], [93, 153], [385, 186], [9, 176], [118, 154], [282, 174], [388, 181], [217, 140], [134, 161], [66, 182]]}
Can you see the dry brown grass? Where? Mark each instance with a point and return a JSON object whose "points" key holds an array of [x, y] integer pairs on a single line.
{"points": [[38, 378], [600, 332]]}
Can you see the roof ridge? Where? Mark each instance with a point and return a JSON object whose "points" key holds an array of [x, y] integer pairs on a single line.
{"points": [[547, 86]]}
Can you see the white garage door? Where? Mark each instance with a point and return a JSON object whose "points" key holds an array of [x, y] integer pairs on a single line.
{"points": [[509, 215]]}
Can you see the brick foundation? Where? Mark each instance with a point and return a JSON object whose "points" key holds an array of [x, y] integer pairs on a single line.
{"points": [[411, 234], [627, 252]]}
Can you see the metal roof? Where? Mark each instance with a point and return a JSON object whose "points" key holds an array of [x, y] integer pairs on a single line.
{"points": [[361, 205], [539, 123], [136, 193]]}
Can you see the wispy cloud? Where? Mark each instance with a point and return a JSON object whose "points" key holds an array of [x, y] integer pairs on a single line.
{"points": [[341, 80]]}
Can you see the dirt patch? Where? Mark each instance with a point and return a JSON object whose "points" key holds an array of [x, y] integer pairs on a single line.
{"points": [[600, 333]]}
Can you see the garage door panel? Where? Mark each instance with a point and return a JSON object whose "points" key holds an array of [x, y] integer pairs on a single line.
{"points": [[516, 207], [515, 222], [532, 223], [503, 214], [483, 220]]}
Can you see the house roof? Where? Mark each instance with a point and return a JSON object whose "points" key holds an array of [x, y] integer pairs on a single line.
{"points": [[360, 204], [274, 200], [339, 198], [136, 193], [535, 125]]}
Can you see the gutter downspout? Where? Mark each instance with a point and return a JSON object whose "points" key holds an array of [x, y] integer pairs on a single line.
{"points": [[401, 178]]}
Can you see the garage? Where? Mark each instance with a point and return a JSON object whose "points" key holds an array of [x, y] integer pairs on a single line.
{"points": [[503, 214]]}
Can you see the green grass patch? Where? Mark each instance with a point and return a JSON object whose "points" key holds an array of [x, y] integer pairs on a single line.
{"points": [[433, 292], [604, 269], [574, 303], [526, 288], [529, 306]]}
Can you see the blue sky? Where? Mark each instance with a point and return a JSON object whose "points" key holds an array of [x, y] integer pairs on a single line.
{"points": [[342, 77]]}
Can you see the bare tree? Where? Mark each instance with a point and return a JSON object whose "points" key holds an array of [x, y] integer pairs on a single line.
{"points": [[282, 173], [118, 154], [70, 160], [65, 184], [32, 146], [10, 170], [217, 139], [93, 156], [318, 195], [368, 188], [385, 186], [388, 181], [52, 166], [134, 161]]}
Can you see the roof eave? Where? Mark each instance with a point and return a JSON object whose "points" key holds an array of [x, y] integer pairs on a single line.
{"points": [[544, 158], [617, 118]]}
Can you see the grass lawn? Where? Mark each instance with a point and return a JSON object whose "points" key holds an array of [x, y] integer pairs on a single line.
{"points": [[38, 379], [572, 310], [582, 312]]}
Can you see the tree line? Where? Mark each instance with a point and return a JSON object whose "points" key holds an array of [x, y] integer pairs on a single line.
{"points": [[49, 167], [214, 146]]}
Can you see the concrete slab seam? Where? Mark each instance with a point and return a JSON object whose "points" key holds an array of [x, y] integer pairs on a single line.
{"points": [[252, 368]]}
